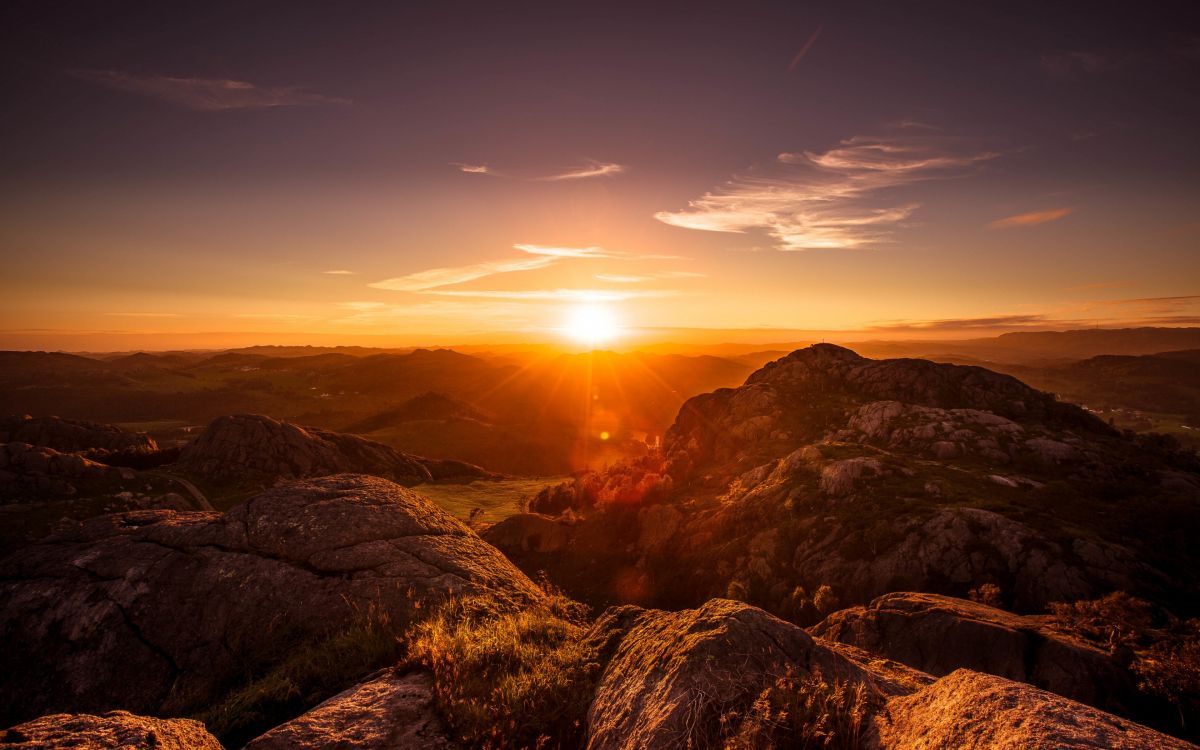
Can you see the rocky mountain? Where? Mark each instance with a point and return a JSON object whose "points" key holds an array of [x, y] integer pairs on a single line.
{"points": [[252, 447], [151, 611], [827, 469]]}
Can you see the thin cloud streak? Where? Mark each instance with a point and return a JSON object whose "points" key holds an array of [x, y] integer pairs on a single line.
{"points": [[432, 278], [341, 272], [540, 256], [804, 50], [207, 94], [1030, 219], [590, 169], [834, 199]]}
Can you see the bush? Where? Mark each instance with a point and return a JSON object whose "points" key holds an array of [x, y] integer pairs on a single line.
{"points": [[505, 679], [987, 593], [1170, 670], [1113, 620], [803, 713]]}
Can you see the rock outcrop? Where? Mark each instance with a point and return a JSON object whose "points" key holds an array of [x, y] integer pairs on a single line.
{"points": [[30, 472], [969, 709], [115, 730], [939, 634], [147, 610], [827, 469], [528, 532], [252, 447], [387, 711], [72, 435], [672, 675]]}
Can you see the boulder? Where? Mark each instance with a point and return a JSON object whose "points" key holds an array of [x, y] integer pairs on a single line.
{"points": [[72, 435], [147, 610], [672, 675], [31, 472], [528, 532], [389, 710], [939, 634], [115, 729], [970, 709]]}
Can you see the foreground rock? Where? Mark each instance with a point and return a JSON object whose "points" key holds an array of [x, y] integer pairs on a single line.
{"points": [[72, 435], [115, 729], [388, 711], [969, 709], [672, 675], [150, 611], [691, 679], [939, 634], [252, 447]]}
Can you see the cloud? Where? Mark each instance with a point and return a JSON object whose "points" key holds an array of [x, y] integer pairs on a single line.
{"points": [[144, 315], [958, 324], [840, 198], [536, 256], [594, 169], [804, 50], [207, 94], [432, 278], [1030, 219], [589, 169], [341, 272]]}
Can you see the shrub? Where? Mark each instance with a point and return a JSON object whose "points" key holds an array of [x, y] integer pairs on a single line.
{"points": [[806, 713], [1170, 669], [986, 593], [1113, 620], [825, 600], [505, 679]]}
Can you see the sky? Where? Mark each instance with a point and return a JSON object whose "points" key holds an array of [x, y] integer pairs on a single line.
{"points": [[208, 174]]}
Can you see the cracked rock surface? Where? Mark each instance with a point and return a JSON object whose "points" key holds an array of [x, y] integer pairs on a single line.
{"points": [[115, 729], [145, 610]]}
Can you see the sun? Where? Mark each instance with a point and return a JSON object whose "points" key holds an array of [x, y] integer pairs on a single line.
{"points": [[591, 324]]}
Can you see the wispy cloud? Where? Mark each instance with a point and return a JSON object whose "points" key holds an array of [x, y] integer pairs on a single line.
{"points": [[591, 168], [207, 94], [962, 324], [1030, 219], [812, 39], [433, 278], [144, 315], [840, 198], [341, 272]]}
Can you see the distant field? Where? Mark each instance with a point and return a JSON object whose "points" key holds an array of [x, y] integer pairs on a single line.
{"points": [[499, 499]]}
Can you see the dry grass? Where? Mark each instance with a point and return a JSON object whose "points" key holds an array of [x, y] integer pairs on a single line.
{"points": [[307, 674], [804, 713], [505, 679]]}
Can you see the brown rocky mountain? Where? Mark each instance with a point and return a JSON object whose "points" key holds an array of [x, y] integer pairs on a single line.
{"points": [[150, 611], [252, 447]]}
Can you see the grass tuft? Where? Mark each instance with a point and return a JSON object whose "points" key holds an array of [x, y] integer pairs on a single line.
{"points": [[505, 679]]}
